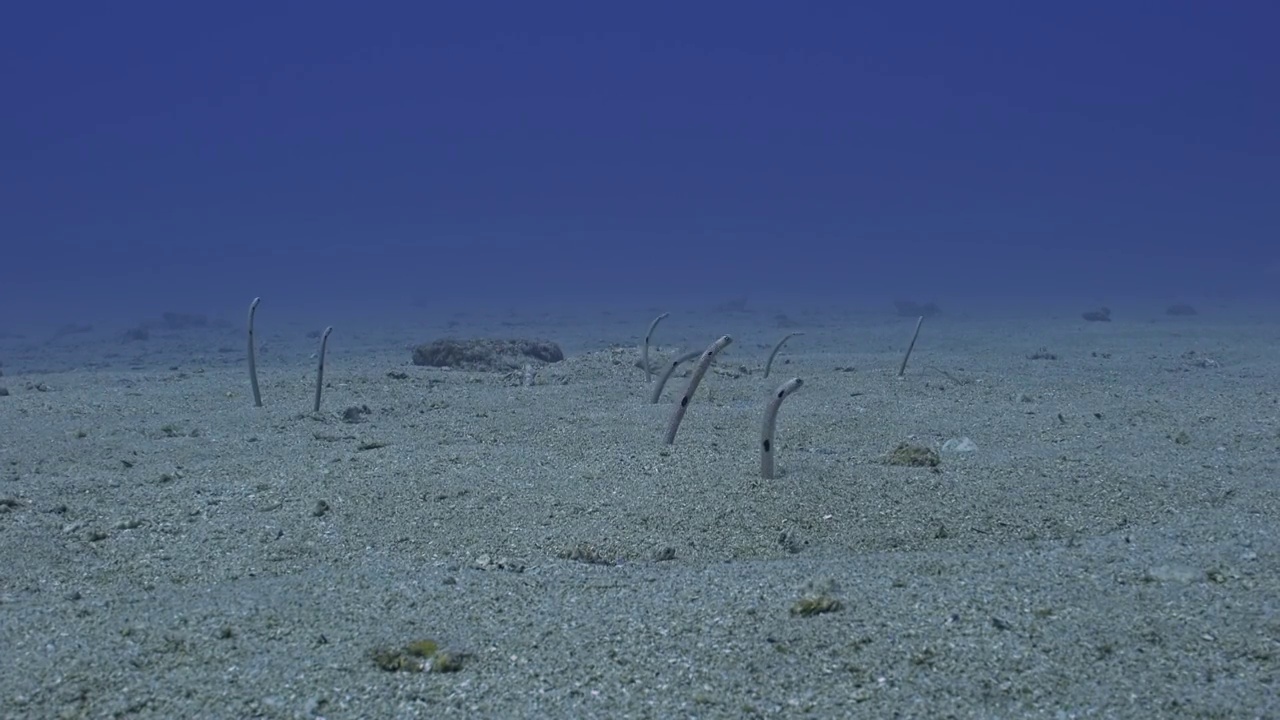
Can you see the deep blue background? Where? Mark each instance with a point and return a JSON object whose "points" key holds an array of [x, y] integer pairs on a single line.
{"points": [[189, 156]]}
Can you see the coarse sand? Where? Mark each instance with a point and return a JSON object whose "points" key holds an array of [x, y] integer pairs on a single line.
{"points": [[440, 542]]}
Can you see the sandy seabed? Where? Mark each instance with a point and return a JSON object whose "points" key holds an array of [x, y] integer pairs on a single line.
{"points": [[462, 544]]}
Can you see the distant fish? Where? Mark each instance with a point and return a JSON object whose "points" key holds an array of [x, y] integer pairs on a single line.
{"points": [[911, 308], [70, 329], [1102, 314]]}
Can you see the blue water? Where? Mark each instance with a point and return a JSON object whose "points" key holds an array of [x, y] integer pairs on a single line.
{"points": [[161, 156]]}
